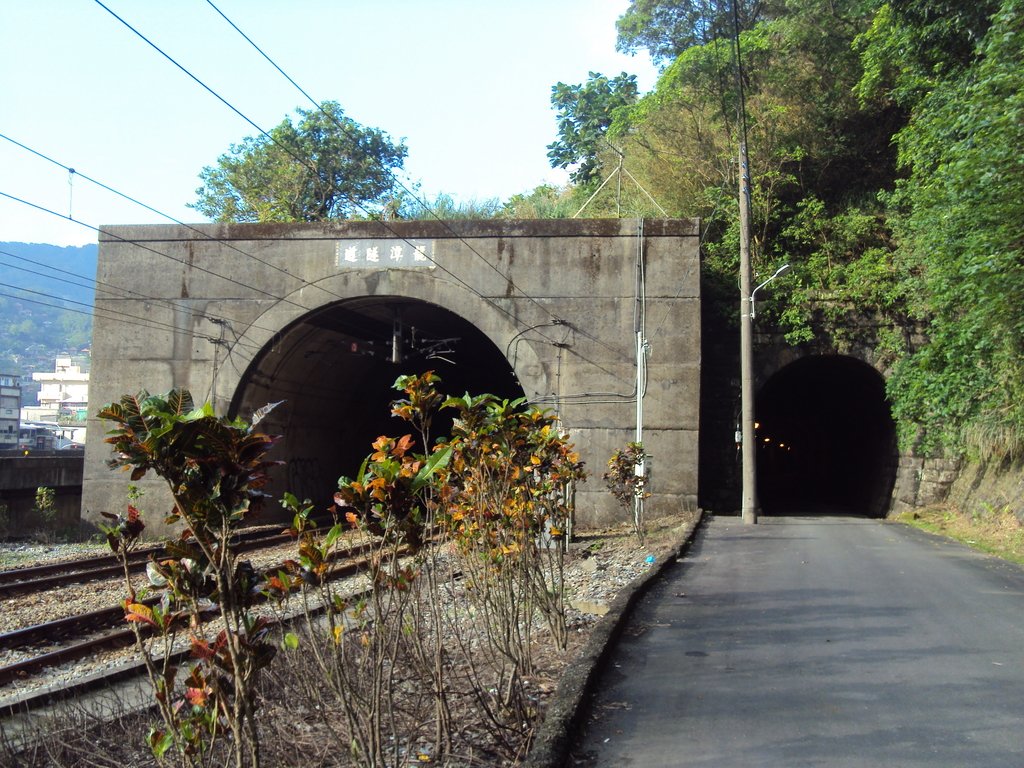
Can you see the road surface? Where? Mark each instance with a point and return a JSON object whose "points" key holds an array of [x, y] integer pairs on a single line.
{"points": [[825, 641]]}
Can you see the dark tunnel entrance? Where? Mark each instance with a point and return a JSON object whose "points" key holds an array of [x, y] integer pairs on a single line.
{"points": [[826, 439], [334, 370]]}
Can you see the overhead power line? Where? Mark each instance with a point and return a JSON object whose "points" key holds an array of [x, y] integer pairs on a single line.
{"points": [[304, 162], [167, 216], [211, 318], [137, 244], [512, 284], [101, 287], [397, 180], [134, 321], [300, 160], [288, 150]]}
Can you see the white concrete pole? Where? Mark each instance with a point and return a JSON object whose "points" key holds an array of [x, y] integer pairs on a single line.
{"points": [[749, 447]]}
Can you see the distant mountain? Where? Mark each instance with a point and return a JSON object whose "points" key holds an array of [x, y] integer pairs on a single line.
{"points": [[67, 272], [46, 298]]}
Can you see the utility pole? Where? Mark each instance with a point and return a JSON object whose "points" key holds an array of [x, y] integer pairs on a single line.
{"points": [[748, 446]]}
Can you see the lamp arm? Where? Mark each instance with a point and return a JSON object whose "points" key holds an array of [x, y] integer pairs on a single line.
{"points": [[753, 293]]}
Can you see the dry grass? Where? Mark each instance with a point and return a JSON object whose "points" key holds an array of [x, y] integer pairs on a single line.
{"points": [[75, 736], [996, 531]]}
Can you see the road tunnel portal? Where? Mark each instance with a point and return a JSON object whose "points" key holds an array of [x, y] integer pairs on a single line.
{"points": [[325, 317], [826, 439]]}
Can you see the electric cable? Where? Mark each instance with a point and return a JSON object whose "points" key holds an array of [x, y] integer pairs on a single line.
{"points": [[398, 181], [133, 320], [96, 284], [112, 291], [167, 216], [150, 208], [277, 298], [298, 159], [44, 274], [158, 212], [555, 319], [195, 79], [137, 244], [211, 318]]}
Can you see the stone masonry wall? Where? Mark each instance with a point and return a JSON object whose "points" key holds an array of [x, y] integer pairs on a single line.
{"points": [[921, 482]]}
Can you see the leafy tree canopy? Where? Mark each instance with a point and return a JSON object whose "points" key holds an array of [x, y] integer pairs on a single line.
{"points": [[666, 28], [912, 45], [322, 166], [961, 239], [585, 112], [885, 166]]}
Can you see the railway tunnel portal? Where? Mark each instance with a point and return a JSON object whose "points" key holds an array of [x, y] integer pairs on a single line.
{"points": [[333, 370], [325, 317]]}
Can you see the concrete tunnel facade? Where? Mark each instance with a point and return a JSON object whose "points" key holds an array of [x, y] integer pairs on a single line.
{"points": [[325, 316]]}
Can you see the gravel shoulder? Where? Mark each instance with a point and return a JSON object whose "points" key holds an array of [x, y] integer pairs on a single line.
{"points": [[666, 541], [605, 570]]}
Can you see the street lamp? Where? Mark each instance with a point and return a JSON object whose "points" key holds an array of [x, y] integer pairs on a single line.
{"points": [[753, 293]]}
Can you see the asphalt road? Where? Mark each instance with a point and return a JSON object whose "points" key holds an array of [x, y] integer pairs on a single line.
{"points": [[828, 641]]}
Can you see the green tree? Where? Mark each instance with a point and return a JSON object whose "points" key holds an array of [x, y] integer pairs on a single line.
{"points": [[962, 245], [884, 154], [912, 45], [666, 28], [818, 158], [324, 166], [585, 112]]}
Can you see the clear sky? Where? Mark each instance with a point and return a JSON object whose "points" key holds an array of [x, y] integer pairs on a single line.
{"points": [[465, 83]]}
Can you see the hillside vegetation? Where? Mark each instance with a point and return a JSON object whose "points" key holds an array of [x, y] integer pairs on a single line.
{"points": [[885, 166], [46, 298]]}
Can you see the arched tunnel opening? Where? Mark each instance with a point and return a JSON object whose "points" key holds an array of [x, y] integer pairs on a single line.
{"points": [[826, 442], [334, 370]]}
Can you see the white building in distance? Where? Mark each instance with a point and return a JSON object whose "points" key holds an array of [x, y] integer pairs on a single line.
{"points": [[10, 402], [63, 398]]}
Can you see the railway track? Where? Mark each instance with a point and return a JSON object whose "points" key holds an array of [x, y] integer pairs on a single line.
{"points": [[595, 574], [87, 634], [41, 578]]}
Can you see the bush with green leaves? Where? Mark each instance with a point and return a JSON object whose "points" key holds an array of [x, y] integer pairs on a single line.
{"points": [[627, 479], [465, 531], [214, 469]]}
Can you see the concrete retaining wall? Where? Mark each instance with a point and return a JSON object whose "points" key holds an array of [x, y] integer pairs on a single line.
{"points": [[19, 479]]}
